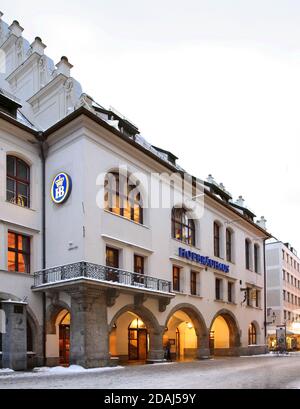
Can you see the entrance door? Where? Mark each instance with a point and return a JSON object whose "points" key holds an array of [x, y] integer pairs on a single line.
{"points": [[64, 344], [212, 342], [177, 344], [137, 344]]}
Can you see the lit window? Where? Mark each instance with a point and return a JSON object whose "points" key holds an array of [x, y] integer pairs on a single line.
{"points": [[122, 197], [17, 181], [252, 334], [176, 278], [183, 228], [18, 253]]}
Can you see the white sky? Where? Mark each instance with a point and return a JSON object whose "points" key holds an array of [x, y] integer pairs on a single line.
{"points": [[217, 82]]}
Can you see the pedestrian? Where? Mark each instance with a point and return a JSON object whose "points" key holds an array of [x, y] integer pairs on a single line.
{"points": [[168, 351]]}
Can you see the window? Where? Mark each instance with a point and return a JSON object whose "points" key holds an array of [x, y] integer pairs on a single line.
{"points": [[284, 293], [218, 289], [252, 334], [283, 275], [183, 228], [247, 252], [194, 275], [17, 181], [283, 254], [216, 239], [230, 292], [176, 278], [248, 296], [288, 296], [122, 197], [256, 258], [288, 277], [257, 298], [289, 315], [228, 245], [112, 257], [18, 253], [139, 262], [284, 314]]}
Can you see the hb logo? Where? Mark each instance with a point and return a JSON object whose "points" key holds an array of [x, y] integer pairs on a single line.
{"points": [[59, 192]]}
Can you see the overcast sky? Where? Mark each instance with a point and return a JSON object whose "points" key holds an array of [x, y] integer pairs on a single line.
{"points": [[217, 82]]}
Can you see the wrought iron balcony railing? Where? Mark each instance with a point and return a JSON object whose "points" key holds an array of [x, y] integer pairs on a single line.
{"points": [[101, 273]]}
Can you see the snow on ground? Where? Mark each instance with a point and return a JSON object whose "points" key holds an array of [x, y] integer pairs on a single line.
{"points": [[56, 370], [6, 371], [230, 372]]}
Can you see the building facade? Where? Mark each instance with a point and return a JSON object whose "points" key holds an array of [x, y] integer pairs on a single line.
{"points": [[94, 267], [283, 293]]}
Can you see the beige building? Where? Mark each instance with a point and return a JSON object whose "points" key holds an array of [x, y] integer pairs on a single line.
{"points": [[95, 267], [283, 293]]}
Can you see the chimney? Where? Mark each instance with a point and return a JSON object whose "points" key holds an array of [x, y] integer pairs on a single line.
{"points": [[16, 29], [262, 223], [64, 67], [38, 46], [210, 179], [240, 201]]}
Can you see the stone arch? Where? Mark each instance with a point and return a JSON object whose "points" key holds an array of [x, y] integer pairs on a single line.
{"points": [[196, 318], [21, 156], [146, 315], [233, 326], [36, 330], [51, 315]]}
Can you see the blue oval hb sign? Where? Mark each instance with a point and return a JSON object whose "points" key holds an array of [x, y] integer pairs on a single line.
{"points": [[61, 188]]}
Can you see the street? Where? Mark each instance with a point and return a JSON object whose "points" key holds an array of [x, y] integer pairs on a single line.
{"points": [[258, 372]]}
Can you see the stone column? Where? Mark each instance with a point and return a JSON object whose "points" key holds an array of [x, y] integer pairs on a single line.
{"points": [[14, 340], [156, 349], [89, 343], [203, 351]]}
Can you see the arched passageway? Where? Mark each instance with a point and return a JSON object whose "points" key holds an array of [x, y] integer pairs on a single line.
{"points": [[186, 333], [135, 336], [224, 338]]}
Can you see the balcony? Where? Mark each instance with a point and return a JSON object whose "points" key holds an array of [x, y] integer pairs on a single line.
{"points": [[69, 274]]}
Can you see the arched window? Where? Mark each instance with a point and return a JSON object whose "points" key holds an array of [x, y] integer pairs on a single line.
{"points": [[121, 196], [256, 258], [183, 228], [217, 239], [17, 181], [228, 245], [252, 336], [247, 253]]}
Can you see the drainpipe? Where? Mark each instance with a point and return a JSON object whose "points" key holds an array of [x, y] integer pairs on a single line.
{"points": [[265, 291], [43, 153]]}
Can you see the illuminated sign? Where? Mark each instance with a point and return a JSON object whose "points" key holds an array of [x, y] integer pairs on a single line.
{"points": [[61, 188], [204, 260]]}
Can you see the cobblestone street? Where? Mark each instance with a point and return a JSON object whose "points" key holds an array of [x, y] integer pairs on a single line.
{"points": [[264, 372]]}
